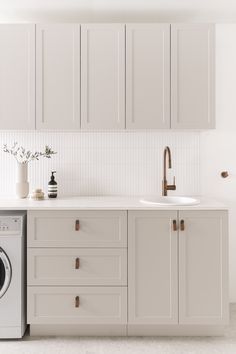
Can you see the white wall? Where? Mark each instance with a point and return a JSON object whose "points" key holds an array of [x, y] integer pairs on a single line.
{"points": [[218, 147]]}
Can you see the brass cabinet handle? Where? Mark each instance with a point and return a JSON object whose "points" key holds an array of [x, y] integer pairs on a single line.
{"points": [[174, 225], [77, 263], [77, 225], [182, 226], [77, 301]]}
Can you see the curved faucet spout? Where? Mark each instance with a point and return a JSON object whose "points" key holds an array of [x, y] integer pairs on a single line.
{"points": [[167, 152], [165, 186]]}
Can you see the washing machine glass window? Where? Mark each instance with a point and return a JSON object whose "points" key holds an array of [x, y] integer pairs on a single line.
{"points": [[5, 272]]}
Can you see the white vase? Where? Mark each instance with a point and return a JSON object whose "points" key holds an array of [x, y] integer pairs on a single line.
{"points": [[22, 184]]}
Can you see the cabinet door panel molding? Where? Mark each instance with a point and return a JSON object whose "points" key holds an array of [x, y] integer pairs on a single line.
{"points": [[148, 76], [103, 76], [152, 254], [58, 76], [192, 76], [17, 76]]}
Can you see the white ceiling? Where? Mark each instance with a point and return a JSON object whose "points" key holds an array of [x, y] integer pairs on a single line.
{"points": [[118, 10]]}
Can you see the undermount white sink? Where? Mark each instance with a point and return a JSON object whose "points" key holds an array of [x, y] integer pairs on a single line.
{"points": [[170, 201]]}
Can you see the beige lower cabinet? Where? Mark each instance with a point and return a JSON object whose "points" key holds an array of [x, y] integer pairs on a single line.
{"points": [[178, 270], [82, 228], [153, 267], [76, 305], [77, 272], [203, 268], [77, 266], [172, 279]]}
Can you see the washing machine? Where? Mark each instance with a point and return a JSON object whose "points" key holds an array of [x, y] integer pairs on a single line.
{"points": [[12, 274]]}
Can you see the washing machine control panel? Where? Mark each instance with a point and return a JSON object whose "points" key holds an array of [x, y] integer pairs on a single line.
{"points": [[10, 225]]}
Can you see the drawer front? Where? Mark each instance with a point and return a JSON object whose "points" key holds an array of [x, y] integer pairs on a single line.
{"points": [[77, 229], [75, 305], [78, 266]]}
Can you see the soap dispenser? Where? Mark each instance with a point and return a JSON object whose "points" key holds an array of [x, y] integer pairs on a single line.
{"points": [[52, 186]]}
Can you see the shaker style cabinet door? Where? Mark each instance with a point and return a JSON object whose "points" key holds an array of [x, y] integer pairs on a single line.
{"points": [[17, 76], [103, 76], [148, 76], [58, 76], [203, 268], [192, 76], [152, 268]]}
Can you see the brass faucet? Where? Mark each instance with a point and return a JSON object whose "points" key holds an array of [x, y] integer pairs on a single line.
{"points": [[165, 186]]}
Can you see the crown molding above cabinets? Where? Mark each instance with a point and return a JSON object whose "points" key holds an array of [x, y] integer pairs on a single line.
{"points": [[107, 76]]}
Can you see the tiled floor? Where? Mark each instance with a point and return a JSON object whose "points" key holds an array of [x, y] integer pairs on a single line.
{"points": [[138, 345]]}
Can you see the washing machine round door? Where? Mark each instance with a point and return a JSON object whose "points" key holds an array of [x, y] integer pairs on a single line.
{"points": [[5, 272]]}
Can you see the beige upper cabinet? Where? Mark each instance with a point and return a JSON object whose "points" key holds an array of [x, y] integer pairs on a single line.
{"points": [[58, 76], [147, 76], [192, 76], [17, 76], [103, 76], [107, 76], [152, 268], [203, 268]]}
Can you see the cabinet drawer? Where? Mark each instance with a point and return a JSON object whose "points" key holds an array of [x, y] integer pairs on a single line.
{"points": [[74, 305], [78, 266], [77, 229]]}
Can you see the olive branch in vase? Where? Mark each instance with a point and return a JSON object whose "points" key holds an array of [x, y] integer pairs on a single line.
{"points": [[25, 156]]}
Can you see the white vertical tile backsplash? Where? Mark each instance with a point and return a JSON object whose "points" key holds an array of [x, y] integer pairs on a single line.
{"points": [[105, 163]]}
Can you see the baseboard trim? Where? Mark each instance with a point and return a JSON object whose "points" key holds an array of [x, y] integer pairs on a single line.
{"points": [[78, 330], [126, 330], [175, 330]]}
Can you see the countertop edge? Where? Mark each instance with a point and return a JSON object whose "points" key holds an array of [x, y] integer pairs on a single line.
{"points": [[103, 203]]}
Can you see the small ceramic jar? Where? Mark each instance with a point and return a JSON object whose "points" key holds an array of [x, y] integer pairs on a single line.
{"points": [[37, 194]]}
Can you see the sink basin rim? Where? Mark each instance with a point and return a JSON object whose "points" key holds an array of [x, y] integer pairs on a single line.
{"points": [[170, 201]]}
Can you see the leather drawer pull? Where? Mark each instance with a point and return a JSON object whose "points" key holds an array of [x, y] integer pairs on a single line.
{"points": [[174, 225], [77, 301], [77, 225], [182, 226], [77, 263]]}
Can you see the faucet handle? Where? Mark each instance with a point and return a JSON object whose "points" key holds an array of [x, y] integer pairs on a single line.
{"points": [[173, 187]]}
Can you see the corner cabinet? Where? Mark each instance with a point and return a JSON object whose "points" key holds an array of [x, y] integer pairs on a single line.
{"points": [[143, 272], [17, 76]]}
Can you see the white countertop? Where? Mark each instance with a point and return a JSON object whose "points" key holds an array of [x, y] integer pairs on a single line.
{"points": [[101, 203]]}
